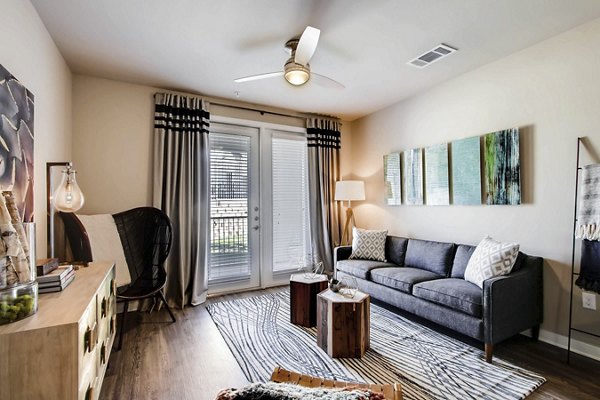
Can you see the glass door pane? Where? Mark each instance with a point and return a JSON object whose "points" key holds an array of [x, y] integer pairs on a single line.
{"points": [[291, 237], [234, 240]]}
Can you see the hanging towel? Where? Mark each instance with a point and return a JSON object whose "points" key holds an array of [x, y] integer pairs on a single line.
{"points": [[589, 273], [588, 215]]}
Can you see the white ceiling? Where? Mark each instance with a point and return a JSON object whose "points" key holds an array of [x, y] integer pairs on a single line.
{"points": [[202, 45]]}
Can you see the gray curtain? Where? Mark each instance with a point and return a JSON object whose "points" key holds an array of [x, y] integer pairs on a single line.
{"points": [[181, 189], [323, 171]]}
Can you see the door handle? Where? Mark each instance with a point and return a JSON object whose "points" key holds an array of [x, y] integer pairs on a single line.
{"points": [[255, 227]]}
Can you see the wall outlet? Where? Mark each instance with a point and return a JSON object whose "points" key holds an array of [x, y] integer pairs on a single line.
{"points": [[589, 300]]}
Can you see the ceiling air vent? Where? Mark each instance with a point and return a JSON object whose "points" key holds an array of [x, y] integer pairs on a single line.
{"points": [[433, 55]]}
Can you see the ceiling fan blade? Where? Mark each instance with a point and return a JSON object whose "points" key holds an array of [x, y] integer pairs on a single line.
{"points": [[257, 77], [325, 81], [307, 45]]}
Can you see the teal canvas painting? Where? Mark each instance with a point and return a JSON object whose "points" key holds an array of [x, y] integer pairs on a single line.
{"points": [[392, 179], [413, 176], [437, 186], [502, 167], [466, 171]]}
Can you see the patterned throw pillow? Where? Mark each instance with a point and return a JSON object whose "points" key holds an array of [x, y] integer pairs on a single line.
{"points": [[368, 245], [491, 258]]}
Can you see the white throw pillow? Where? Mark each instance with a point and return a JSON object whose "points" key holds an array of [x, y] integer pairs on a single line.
{"points": [[491, 258], [105, 243], [368, 245]]}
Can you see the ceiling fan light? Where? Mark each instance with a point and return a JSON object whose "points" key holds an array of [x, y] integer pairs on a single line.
{"points": [[296, 74], [297, 77]]}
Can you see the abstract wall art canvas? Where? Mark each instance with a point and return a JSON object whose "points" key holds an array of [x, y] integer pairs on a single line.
{"points": [[502, 167], [392, 179], [466, 171], [413, 176], [16, 142], [437, 186]]}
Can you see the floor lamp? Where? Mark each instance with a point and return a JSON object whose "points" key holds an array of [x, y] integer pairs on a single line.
{"points": [[349, 191], [67, 197]]}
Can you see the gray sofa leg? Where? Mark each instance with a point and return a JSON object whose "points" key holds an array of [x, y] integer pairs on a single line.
{"points": [[535, 333], [489, 350]]}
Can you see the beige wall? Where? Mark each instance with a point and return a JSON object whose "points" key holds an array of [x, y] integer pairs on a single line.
{"points": [[112, 146], [552, 90], [29, 53], [112, 141]]}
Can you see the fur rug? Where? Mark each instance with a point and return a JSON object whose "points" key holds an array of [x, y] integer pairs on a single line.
{"points": [[283, 391]]}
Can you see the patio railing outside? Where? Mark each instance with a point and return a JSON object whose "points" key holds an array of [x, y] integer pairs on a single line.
{"points": [[229, 252]]}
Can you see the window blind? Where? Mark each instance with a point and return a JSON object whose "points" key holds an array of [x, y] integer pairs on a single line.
{"points": [[290, 201], [230, 253]]}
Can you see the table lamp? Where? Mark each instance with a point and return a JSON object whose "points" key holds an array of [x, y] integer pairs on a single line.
{"points": [[67, 197], [349, 191]]}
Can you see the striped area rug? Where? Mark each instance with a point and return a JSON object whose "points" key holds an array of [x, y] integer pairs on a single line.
{"points": [[428, 364]]}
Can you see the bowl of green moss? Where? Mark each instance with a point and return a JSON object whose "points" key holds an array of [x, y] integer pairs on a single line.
{"points": [[17, 305]]}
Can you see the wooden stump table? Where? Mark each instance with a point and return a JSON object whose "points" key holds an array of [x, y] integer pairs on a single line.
{"points": [[343, 324], [303, 298]]}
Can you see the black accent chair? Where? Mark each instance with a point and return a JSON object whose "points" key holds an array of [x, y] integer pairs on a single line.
{"points": [[146, 236]]}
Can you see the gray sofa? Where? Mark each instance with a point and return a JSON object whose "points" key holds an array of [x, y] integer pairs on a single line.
{"points": [[426, 278]]}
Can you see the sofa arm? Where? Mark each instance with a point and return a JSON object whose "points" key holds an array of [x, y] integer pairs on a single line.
{"points": [[341, 253], [514, 302]]}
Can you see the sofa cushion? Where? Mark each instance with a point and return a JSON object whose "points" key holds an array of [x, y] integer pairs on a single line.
{"points": [[461, 259], [431, 256], [395, 249], [368, 245], [361, 268], [457, 294], [401, 278]]}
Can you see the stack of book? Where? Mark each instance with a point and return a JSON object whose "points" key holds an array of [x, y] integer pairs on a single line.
{"points": [[56, 280], [46, 265]]}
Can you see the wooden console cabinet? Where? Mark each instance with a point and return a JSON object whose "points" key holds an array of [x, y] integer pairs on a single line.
{"points": [[62, 351]]}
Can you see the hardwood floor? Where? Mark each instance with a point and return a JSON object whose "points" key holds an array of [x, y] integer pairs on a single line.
{"points": [[579, 380], [190, 360], [184, 360]]}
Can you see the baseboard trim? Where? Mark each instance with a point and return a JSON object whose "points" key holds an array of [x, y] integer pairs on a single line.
{"points": [[577, 346]]}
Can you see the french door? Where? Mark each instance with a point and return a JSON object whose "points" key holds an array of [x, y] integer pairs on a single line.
{"points": [[259, 227], [288, 235], [234, 237]]}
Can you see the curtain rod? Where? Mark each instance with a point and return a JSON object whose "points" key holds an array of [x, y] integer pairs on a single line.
{"points": [[255, 110], [216, 102], [262, 112]]}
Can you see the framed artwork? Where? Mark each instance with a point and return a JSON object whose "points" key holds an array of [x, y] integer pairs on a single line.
{"points": [[466, 171], [502, 167], [437, 185], [392, 179], [16, 144], [413, 176]]}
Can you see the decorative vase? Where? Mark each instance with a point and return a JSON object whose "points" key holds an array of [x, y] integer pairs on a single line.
{"points": [[311, 269], [18, 287], [348, 287], [334, 285]]}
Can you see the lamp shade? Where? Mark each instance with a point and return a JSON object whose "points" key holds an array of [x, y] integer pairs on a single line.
{"points": [[349, 190], [68, 196]]}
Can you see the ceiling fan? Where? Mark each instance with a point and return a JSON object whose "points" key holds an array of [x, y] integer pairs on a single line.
{"points": [[296, 70]]}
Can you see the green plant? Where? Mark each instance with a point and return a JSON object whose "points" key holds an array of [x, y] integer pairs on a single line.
{"points": [[15, 309]]}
